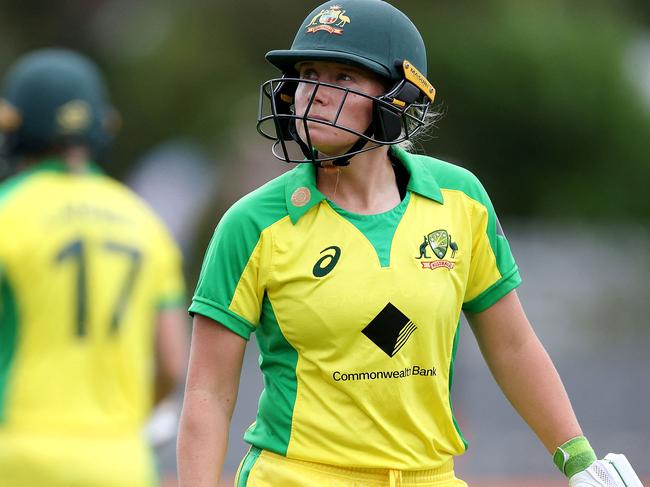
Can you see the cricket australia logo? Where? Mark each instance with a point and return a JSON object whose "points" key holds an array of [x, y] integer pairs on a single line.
{"points": [[331, 20], [440, 242], [390, 330]]}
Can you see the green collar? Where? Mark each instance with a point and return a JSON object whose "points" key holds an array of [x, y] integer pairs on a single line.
{"points": [[57, 165], [422, 180], [301, 193]]}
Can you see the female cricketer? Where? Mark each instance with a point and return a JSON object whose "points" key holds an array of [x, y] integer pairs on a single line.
{"points": [[352, 269], [92, 326]]}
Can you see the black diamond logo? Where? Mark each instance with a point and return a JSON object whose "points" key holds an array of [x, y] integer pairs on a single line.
{"points": [[390, 330]]}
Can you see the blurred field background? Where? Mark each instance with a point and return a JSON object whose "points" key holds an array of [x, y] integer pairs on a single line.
{"points": [[547, 102]]}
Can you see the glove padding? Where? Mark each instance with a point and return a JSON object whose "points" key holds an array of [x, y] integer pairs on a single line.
{"points": [[612, 471]]}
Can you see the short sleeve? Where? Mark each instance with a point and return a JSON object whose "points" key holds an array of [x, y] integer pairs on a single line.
{"points": [[231, 285], [493, 271]]}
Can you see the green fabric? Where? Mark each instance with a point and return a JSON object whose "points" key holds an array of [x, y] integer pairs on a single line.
{"points": [[378, 229], [12, 184], [8, 308], [428, 176], [235, 237], [451, 177], [422, 182], [247, 465], [218, 313], [448, 176], [8, 336], [55, 165], [303, 176], [495, 292], [574, 456], [451, 381], [278, 360], [230, 249]]}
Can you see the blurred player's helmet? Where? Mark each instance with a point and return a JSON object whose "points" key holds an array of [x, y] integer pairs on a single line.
{"points": [[54, 98], [370, 34]]}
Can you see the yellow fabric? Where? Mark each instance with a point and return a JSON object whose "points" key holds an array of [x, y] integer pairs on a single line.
{"points": [[80, 384], [44, 461], [102, 381], [247, 300], [271, 470], [356, 346], [414, 410], [483, 270]]}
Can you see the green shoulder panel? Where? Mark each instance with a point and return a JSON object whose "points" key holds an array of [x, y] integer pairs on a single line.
{"points": [[18, 180], [10, 186], [230, 249], [8, 336], [450, 176]]}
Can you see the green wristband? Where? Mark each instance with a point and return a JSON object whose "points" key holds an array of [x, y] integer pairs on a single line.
{"points": [[574, 456]]}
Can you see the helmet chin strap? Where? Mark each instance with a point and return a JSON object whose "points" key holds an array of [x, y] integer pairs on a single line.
{"points": [[340, 161]]}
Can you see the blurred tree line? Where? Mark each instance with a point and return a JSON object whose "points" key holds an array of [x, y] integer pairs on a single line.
{"points": [[542, 100]]}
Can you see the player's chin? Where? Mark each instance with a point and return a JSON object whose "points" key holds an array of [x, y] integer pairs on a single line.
{"points": [[334, 150], [328, 140]]}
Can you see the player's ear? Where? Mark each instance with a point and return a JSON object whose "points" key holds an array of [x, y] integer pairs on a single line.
{"points": [[10, 118]]}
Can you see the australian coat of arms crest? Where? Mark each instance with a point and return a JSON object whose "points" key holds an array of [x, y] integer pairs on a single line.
{"points": [[331, 19]]}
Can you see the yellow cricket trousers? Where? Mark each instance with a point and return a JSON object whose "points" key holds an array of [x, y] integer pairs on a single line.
{"points": [[261, 468]]}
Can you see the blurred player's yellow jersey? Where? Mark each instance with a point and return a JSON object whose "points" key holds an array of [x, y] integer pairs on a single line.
{"points": [[357, 316], [84, 268]]}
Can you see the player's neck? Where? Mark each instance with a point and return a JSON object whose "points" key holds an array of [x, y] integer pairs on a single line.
{"points": [[366, 186], [76, 159]]}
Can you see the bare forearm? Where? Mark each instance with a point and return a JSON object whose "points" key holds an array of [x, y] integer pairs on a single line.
{"points": [[524, 371], [531, 383], [202, 440], [210, 394]]}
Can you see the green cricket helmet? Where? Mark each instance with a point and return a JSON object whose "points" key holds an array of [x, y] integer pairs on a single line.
{"points": [[54, 98], [370, 34]]}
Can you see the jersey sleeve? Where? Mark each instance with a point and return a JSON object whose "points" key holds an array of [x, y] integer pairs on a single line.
{"points": [[493, 271], [231, 285]]}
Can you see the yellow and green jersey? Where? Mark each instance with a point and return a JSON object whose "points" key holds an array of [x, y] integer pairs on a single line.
{"points": [[357, 316], [84, 268]]}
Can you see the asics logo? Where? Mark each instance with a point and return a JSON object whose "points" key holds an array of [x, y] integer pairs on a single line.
{"points": [[327, 262]]}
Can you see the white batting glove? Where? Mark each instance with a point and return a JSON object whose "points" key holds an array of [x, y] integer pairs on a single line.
{"points": [[612, 471]]}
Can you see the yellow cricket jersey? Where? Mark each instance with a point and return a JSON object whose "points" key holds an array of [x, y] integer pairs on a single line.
{"points": [[84, 267], [357, 316]]}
